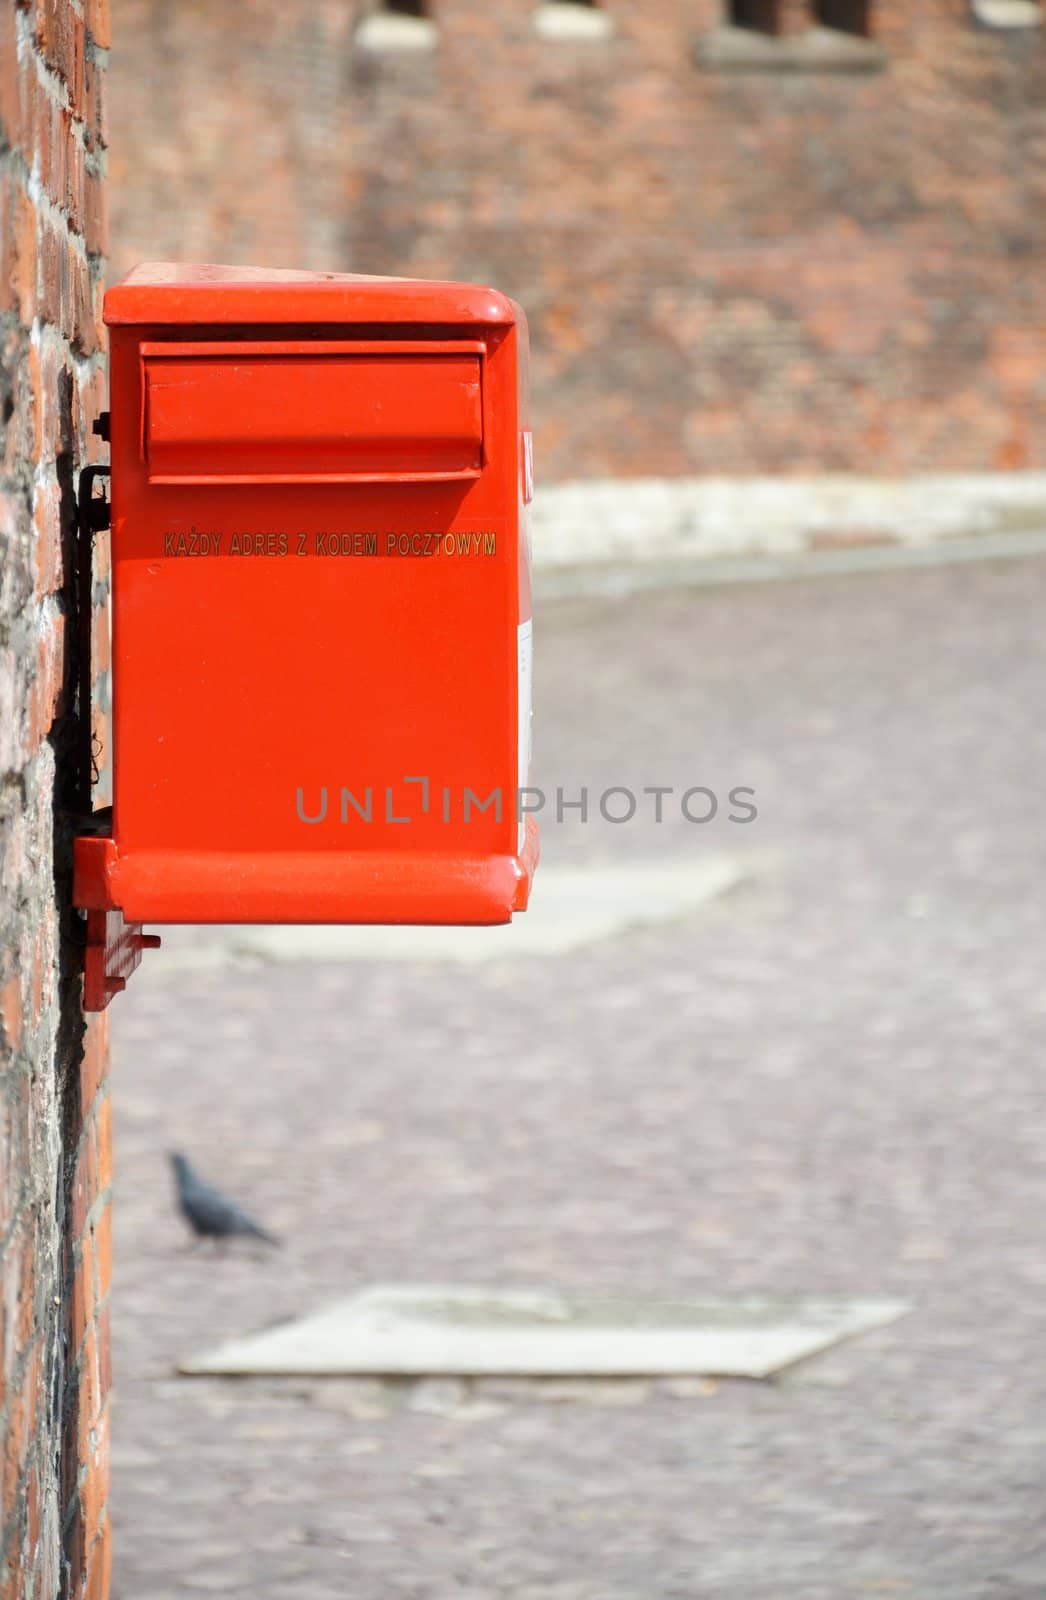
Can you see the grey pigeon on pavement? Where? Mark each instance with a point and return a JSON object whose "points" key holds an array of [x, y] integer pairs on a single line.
{"points": [[207, 1211]]}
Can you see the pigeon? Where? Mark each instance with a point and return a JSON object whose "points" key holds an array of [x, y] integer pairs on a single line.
{"points": [[207, 1211]]}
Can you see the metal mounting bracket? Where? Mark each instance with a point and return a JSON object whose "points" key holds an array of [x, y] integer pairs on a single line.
{"points": [[114, 947]]}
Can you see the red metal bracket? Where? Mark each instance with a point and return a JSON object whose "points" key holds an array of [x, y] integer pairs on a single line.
{"points": [[114, 949]]}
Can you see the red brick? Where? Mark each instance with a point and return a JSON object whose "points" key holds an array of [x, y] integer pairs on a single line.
{"points": [[36, 982], [34, 1511], [94, 1064], [89, 1399], [1018, 359], [75, 77], [90, 1437], [82, 327], [101, 333], [14, 1447], [1014, 453], [98, 24], [16, 1575], [100, 1564], [97, 130], [26, 1298], [11, 1011], [81, 1199], [103, 1243], [8, 246], [104, 1142], [96, 1484], [54, 141], [24, 256], [99, 642], [96, 232], [10, 97], [54, 384], [61, 34], [82, 1304], [48, 554], [28, 90], [52, 274], [34, 419], [85, 1171], [46, 689], [105, 1354], [75, 200]]}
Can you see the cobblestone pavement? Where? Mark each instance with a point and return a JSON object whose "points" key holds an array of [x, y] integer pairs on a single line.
{"points": [[831, 1080]]}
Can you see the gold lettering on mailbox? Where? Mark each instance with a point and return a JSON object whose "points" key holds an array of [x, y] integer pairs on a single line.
{"points": [[259, 544], [346, 544], [193, 543], [276, 542]]}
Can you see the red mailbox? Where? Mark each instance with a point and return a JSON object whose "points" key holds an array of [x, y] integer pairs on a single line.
{"points": [[320, 605]]}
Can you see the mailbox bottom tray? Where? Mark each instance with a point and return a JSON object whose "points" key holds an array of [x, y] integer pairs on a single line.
{"points": [[302, 886]]}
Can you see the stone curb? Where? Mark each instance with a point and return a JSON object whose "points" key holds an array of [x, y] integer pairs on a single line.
{"points": [[609, 533]]}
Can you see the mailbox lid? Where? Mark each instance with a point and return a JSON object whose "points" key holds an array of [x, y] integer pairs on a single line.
{"points": [[171, 294], [312, 411]]}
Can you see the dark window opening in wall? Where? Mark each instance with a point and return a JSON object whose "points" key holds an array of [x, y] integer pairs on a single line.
{"points": [[845, 16], [755, 37], [398, 25], [762, 16]]}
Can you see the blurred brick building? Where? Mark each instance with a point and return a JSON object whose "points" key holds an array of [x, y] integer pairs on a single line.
{"points": [[812, 241]]}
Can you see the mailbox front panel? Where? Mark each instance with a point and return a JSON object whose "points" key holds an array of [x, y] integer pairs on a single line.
{"points": [[320, 601]]}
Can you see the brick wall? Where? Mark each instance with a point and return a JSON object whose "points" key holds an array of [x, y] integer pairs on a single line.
{"points": [[54, 1105], [725, 272]]}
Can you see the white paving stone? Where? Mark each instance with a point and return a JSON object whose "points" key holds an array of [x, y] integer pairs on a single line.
{"points": [[456, 1331]]}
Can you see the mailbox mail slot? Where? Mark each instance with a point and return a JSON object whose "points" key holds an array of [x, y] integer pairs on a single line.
{"points": [[320, 601]]}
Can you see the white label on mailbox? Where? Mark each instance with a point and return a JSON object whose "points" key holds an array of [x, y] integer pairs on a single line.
{"points": [[526, 655]]}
